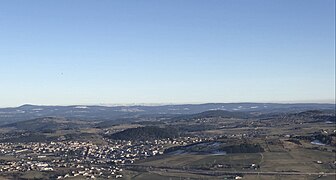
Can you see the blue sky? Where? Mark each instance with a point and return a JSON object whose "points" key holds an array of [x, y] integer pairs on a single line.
{"points": [[178, 51]]}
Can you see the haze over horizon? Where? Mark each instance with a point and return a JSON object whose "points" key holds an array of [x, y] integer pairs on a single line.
{"points": [[84, 52], [182, 103]]}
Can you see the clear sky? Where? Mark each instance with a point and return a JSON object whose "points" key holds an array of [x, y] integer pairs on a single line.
{"points": [[166, 51]]}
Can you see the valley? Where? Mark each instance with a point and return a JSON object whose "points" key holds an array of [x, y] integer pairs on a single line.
{"points": [[213, 144]]}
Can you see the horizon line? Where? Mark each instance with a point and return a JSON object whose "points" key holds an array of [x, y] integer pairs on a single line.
{"points": [[183, 103]]}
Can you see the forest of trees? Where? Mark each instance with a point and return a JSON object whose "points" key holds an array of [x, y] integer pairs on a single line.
{"points": [[212, 147], [145, 133], [243, 148]]}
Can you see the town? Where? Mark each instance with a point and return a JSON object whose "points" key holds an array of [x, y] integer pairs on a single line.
{"points": [[74, 158]]}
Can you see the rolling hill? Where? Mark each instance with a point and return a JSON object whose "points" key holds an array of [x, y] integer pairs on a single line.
{"points": [[46, 124], [101, 113]]}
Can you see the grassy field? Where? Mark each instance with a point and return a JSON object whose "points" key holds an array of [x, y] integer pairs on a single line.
{"points": [[236, 161], [297, 160], [297, 177], [283, 156], [164, 175]]}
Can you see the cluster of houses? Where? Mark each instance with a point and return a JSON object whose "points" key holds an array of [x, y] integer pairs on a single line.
{"points": [[66, 159]]}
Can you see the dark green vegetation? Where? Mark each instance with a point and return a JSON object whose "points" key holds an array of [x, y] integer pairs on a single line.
{"points": [[145, 133], [215, 147], [26, 137], [196, 127], [319, 137], [243, 148]]}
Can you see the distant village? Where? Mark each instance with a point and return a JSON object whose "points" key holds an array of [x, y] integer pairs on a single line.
{"points": [[74, 158]]}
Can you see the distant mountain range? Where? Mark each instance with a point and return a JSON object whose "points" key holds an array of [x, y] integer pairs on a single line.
{"points": [[103, 113]]}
